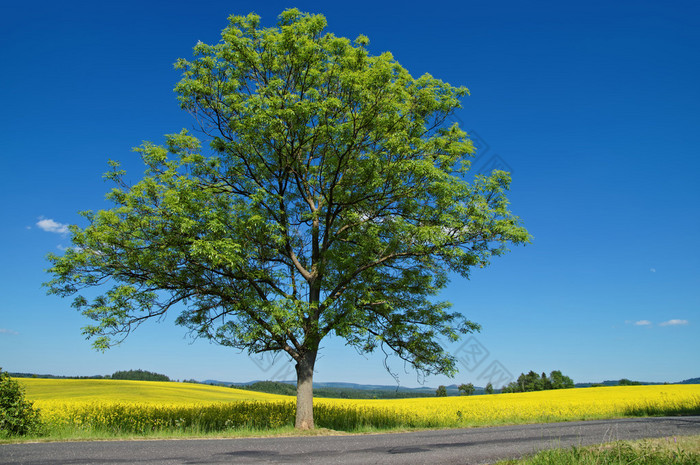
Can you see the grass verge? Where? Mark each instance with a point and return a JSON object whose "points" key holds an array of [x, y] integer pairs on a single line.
{"points": [[69, 434], [683, 450]]}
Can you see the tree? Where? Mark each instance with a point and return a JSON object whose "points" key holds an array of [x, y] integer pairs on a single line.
{"points": [[466, 389], [510, 388], [441, 391], [534, 382], [333, 200], [627, 382], [559, 381], [545, 382], [17, 415], [489, 389], [529, 382]]}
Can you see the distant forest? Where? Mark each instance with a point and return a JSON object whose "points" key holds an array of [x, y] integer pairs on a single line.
{"points": [[529, 381], [135, 375], [139, 375], [287, 389]]}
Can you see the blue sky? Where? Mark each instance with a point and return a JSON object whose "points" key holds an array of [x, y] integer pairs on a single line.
{"points": [[594, 107]]}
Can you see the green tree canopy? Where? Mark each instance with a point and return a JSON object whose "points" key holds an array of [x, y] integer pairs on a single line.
{"points": [[466, 389], [17, 415], [331, 198], [557, 380], [139, 375], [534, 382]]}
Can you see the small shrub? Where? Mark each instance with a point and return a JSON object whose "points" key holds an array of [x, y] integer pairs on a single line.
{"points": [[17, 415]]}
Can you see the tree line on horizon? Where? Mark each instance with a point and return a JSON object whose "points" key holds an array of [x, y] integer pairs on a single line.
{"points": [[525, 383], [287, 389], [133, 375], [533, 382], [139, 375]]}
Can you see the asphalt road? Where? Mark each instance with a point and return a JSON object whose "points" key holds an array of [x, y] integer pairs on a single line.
{"points": [[457, 446]]}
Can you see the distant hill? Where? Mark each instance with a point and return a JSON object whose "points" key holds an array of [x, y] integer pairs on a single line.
{"points": [[337, 390], [612, 383], [349, 390], [34, 375], [339, 385], [138, 375], [342, 390], [642, 383], [361, 387]]}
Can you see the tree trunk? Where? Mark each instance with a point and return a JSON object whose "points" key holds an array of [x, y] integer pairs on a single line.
{"points": [[305, 393]]}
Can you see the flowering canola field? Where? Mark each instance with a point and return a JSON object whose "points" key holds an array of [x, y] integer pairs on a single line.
{"points": [[113, 390], [142, 407], [534, 407]]}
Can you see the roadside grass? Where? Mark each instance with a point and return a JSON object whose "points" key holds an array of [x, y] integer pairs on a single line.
{"points": [[71, 434], [86, 432], [681, 450]]}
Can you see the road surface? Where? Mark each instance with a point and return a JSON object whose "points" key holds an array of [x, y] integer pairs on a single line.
{"points": [[456, 446]]}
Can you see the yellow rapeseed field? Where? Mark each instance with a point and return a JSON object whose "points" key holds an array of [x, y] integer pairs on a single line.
{"points": [[142, 407], [542, 406], [120, 406], [113, 390]]}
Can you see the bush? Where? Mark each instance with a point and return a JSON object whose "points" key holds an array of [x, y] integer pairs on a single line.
{"points": [[17, 415]]}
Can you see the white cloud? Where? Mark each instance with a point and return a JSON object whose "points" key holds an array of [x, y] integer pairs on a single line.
{"points": [[642, 323], [8, 331], [674, 323], [49, 225], [653, 270]]}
